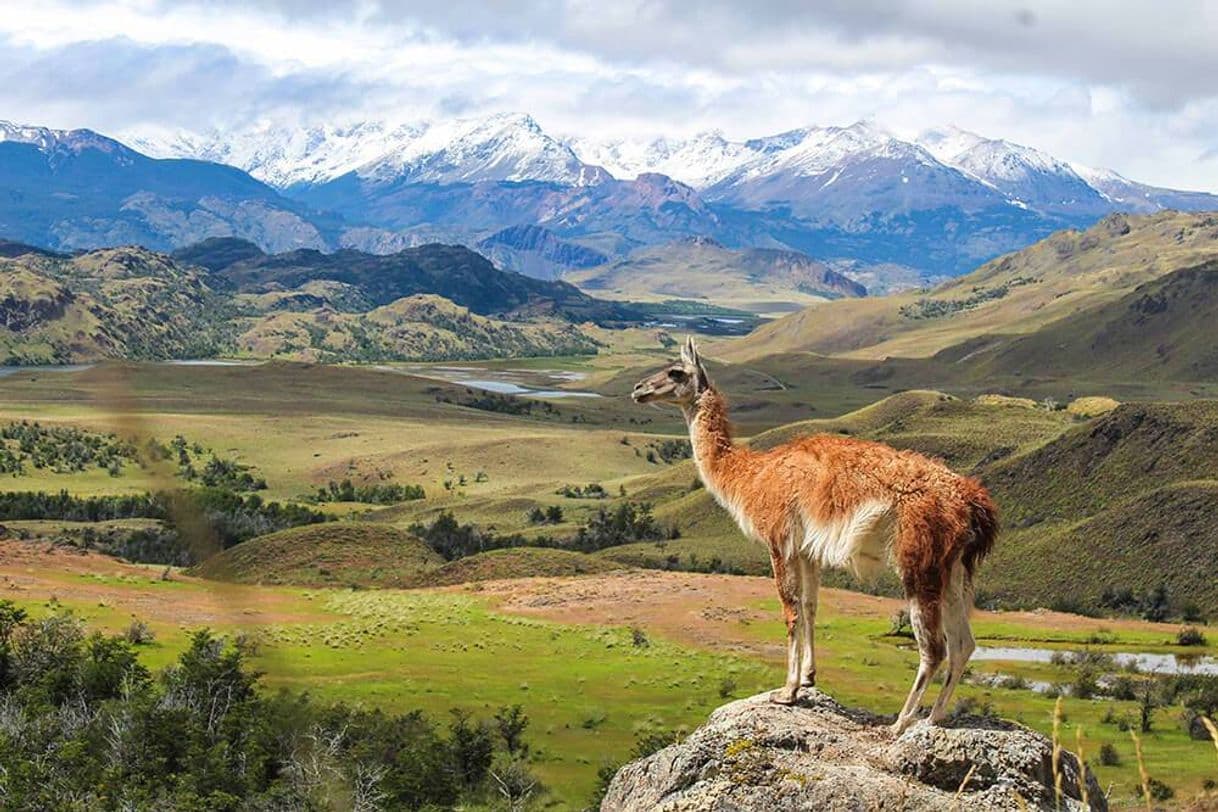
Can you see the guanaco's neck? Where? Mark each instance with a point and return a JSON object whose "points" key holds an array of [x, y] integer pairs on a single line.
{"points": [[710, 435]]}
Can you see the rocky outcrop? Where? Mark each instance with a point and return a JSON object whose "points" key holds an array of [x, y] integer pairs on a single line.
{"points": [[819, 755]]}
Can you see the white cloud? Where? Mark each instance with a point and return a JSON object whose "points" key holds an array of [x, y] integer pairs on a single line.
{"points": [[1129, 87]]}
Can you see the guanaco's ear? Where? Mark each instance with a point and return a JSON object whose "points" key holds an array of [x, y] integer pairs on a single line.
{"points": [[689, 354]]}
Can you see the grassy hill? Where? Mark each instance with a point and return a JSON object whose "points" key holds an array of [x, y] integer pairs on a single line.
{"points": [[1061, 276], [758, 280], [332, 554], [420, 327], [1123, 501], [1162, 329], [138, 304], [451, 271], [518, 562], [117, 302]]}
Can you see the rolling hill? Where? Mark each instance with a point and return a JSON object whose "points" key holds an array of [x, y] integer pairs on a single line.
{"points": [[112, 303], [760, 280], [452, 271], [331, 554], [138, 304], [1123, 501], [1162, 329], [1062, 276]]}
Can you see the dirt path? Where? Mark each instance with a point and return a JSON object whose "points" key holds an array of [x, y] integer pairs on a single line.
{"points": [[713, 611], [41, 571], [710, 611]]}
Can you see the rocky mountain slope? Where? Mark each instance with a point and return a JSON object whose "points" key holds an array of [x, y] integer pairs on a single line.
{"points": [[537, 252], [76, 189], [753, 754]]}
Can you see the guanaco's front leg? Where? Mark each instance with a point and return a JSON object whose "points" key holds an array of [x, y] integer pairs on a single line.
{"points": [[787, 578]]}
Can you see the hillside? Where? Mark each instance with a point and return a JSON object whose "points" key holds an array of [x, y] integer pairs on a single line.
{"points": [[537, 252], [1161, 330], [137, 304], [1123, 502], [120, 302], [419, 327], [452, 271], [760, 280], [332, 554], [1063, 275], [518, 562]]}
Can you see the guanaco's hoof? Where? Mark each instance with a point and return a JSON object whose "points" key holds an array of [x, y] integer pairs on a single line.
{"points": [[808, 681], [901, 725], [783, 697]]}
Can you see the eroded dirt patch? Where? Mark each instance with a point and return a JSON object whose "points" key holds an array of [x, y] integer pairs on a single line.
{"points": [[41, 571]]}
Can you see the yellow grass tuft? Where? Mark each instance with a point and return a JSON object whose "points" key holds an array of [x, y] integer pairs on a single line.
{"points": [[1082, 767], [1057, 752], [968, 776], [1212, 728], [1092, 406], [1004, 400], [1145, 776]]}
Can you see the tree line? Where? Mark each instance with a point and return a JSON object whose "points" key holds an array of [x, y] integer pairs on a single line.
{"points": [[87, 726]]}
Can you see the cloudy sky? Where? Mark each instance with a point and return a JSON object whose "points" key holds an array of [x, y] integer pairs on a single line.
{"points": [[1125, 85]]}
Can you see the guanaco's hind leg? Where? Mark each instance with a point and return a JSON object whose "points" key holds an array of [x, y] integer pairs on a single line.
{"points": [[787, 578], [928, 631], [959, 636], [809, 576]]}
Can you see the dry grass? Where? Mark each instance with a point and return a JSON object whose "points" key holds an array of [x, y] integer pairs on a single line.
{"points": [[1142, 773]]}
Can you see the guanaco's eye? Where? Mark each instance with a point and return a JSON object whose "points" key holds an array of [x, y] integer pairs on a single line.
{"points": [[677, 374]]}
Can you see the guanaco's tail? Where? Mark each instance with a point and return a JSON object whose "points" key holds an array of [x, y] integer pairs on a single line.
{"points": [[983, 527]]}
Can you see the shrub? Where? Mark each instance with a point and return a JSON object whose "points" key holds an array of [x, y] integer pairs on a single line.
{"points": [[138, 633], [1109, 756], [374, 494], [511, 723], [727, 688], [1160, 791], [1190, 636]]}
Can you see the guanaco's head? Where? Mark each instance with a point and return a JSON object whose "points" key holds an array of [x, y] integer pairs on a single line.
{"points": [[678, 383]]}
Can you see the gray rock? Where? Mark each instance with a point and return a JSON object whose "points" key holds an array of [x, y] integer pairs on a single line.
{"points": [[819, 755]]}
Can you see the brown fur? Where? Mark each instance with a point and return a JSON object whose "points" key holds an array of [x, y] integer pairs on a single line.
{"points": [[938, 518]]}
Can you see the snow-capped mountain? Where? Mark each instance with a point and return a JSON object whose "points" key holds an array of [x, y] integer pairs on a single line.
{"points": [[52, 142], [1027, 176], [78, 189], [504, 147], [846, 174], [284, 157], [940, 204], [700, 161], [1127, 195]]}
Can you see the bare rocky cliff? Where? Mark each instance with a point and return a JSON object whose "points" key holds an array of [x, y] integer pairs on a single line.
{"points": [[819, 755]]}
